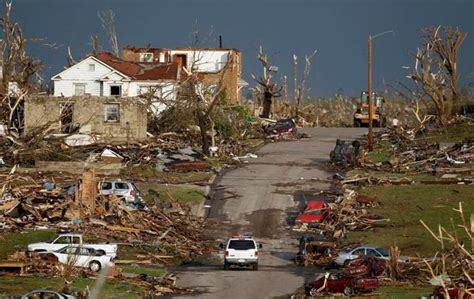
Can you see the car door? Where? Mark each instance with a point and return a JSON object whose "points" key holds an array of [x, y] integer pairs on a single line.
{"points": [[373, 253], [84, 256], [358, 252], [106, 188], [121, 188]]}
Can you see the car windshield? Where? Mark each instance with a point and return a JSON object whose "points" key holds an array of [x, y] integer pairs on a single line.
{"points": [[241, 244], [383, 251], [313, 212]]}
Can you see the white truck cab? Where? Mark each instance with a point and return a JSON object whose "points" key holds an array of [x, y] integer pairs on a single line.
{"points": [[241, 251]]}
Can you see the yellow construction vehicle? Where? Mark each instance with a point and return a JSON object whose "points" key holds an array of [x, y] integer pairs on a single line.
{"points": [[361, 116]]}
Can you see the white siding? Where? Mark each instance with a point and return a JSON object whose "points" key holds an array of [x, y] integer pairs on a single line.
{"points": [[79, 73], [204, 61]]}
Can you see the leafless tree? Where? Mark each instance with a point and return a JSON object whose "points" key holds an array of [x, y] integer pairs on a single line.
{"points": [[435, 72], [270, 89], [108, 23], [300, 89], [18, 70]]}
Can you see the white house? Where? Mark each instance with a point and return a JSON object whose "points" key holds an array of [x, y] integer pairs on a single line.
{"points": [[106, 75]]}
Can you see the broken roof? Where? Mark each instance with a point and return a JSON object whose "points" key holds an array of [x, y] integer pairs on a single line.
{"points": [[137, 71]]}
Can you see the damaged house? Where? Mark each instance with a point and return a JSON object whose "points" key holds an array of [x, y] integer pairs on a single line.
{"points": [[141, 70], [105, 98]]}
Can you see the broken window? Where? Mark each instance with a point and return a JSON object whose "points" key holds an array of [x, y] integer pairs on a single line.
{"points": [[115, 90], [91, 67], [112, 112], [79, 89], [146, 57]]}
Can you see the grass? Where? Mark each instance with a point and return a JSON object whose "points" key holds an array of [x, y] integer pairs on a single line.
{"points": [[379, 156], [147, 172], [20, 285], [182, 194], [406, 205], [453, 133], [402, 292], [11, 242], [134, 269]]}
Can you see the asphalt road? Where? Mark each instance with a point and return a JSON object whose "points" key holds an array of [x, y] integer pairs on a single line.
{"points": [[259, 198]]}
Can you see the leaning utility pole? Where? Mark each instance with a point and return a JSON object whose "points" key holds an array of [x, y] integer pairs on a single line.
{"points": [[369, 77]]}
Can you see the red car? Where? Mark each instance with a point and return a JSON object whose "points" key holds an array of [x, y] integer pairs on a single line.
{"points": [[314, 212], [336, 283], [366, 266], [453, 293]]}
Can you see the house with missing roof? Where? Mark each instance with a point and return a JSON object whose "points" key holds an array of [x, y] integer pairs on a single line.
{"points": [[141, 70]]}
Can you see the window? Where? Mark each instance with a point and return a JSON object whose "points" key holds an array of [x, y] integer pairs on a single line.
{"points": [[371, 252], [63, 240], [121, 185], [79, 89], [112, 112], [91, 67], [115, 90], [241, 244], [106, 186], [146, 57], [360, 251]]}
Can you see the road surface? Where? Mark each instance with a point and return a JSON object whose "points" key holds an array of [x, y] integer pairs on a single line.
{"points": [[259, 198]]}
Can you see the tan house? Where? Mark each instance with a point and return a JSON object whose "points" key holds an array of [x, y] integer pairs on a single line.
{"points": [[106, 119]]}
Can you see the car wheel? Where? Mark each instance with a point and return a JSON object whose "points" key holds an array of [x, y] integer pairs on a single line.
{"points": [[313, 292], [348, 290], [255, 267], [226, 266], [357, 123], [95, 266], [346, 262]]}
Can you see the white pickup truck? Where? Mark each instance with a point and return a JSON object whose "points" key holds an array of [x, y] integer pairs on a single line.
{"points": [[64, 240]]}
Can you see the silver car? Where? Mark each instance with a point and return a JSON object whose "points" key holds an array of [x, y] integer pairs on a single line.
{"points": [[124, 189], [352, 253], [46, 294]]}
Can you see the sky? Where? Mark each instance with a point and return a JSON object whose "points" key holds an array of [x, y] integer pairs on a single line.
{"points": [[337, 29]]}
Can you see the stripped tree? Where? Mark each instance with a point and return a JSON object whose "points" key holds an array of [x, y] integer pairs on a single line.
{"points": [[270, 90], [18, 70], [435, 72], [108, 24], [300, 88]]}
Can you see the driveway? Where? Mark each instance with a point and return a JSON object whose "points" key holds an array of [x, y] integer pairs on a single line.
{"points": [[258, 198]]}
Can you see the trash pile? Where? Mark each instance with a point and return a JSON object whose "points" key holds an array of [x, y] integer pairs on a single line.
{"points": [[172, 231], [409, 156]]}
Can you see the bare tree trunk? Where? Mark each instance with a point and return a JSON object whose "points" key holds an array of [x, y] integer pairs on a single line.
{"points": [[267, 104]]}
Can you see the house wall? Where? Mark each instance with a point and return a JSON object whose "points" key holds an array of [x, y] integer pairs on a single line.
{"points": [[228, 77], [79, 73], [90, 112], [204, 60]]}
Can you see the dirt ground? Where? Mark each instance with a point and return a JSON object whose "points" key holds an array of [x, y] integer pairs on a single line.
{"points": [[258, 198]]}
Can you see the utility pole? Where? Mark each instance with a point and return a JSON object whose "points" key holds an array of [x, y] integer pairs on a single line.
{"points": [[371, 104]]}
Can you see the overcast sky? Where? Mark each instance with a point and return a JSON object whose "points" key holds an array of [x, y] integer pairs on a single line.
{"points": [[338, 29]]}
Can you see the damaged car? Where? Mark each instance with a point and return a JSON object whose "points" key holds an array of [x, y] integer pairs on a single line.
{"points": [[337, 283]]}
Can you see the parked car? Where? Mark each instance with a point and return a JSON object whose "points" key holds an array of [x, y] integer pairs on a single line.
{"points": [[336, 283], [282, 126], [81, 256], [241, 251], [126, 190], [352, 253], [366, 266], [315, 212], [46, 294], [71, 239]]}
